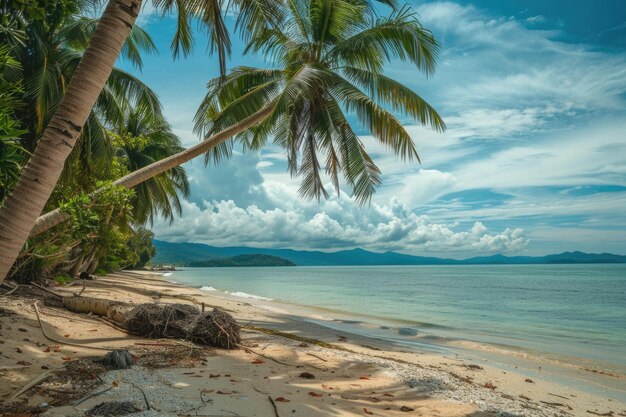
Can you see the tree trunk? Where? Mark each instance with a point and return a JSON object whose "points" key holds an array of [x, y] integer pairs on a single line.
{"points": [[54, 217], [41, 173], [73, 272]]}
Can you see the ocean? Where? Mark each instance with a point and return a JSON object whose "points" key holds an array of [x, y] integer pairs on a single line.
{"points": [[570, 315]]}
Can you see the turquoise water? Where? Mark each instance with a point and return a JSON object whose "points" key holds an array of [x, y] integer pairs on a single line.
{"points": [[564, 312]]}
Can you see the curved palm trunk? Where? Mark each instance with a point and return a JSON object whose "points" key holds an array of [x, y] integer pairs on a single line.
{"points": [[42, 171], [56, 216]]}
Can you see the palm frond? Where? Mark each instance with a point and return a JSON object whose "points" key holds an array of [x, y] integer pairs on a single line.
{"points": [[399, 36], [397, 96]]}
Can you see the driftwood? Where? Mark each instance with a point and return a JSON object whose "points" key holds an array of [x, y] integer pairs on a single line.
{"points": [[29, 385], [61, 342], [179, 321]]}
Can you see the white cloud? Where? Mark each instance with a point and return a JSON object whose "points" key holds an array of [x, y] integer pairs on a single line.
{"points": [[536, 19], [381, 227]]}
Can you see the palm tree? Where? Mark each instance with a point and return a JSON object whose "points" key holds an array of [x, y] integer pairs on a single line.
{"points": [[144, 139], [39, 176], [324, 51], [49, 55]]}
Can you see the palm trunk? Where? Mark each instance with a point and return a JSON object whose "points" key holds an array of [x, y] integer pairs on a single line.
{"points": [[56, 216], [42, 171]]}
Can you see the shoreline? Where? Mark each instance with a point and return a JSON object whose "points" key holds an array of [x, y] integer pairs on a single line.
{"points": [[593, 377], [357, 373]]}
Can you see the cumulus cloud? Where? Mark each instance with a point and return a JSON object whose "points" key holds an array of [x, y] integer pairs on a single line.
{"points": [[381, 227], [527, 116]]}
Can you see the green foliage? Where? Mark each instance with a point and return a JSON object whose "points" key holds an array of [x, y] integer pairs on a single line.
{"points": [[143, 139], [329, 58], [140, 244], [244, 260], [11, 153], [62, 279]]}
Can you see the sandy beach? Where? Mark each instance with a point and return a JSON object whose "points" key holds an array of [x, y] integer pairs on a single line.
{"points": [[288, 366]]}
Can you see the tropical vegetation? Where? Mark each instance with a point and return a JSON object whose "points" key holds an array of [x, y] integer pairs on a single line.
{"points": [[327, 77]]}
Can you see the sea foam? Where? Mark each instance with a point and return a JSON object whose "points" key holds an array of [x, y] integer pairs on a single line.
{"points": [[246, 295]]}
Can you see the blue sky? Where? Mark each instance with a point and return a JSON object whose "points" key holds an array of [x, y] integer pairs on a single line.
{"points": [[533, 161]]}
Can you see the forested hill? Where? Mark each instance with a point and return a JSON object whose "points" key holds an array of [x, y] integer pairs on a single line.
{"points": [[254, 259], [186, 253]]}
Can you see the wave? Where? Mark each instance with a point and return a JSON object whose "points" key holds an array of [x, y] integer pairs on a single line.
{"points": [[246, 295], [167, 274], [206, 288]]}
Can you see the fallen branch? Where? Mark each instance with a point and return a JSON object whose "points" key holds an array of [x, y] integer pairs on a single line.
{"points": [[556, 404], [12, 367], [259, 391], [144, 395], [318, 357], [93, 394], [29, 385], [608, 413], [10, 291], [42, 288], [43, 331], [248, 350], [273, 405]]}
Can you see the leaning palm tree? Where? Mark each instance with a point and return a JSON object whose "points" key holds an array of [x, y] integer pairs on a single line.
{"points": [[144, 139], [41, 173], [49, 55], [330, 57]]}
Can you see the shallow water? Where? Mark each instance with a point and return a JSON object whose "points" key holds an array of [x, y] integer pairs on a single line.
{"points": [[566, 313]]}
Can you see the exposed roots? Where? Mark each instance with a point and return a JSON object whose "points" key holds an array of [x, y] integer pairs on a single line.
{"points": [[216, 328]]}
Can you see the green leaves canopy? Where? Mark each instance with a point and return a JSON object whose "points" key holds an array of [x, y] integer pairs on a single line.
{"points": [[329, 57]]}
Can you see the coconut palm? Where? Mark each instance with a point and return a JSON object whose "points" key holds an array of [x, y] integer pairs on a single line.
{"points": [[49, 55], [144, 139], [41, 173], [330, 57]]}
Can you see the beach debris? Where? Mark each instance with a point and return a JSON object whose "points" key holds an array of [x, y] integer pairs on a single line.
{"points": [[530, 381], [33, 382], [368, 412], [315, 394], [216, 328], [474, 367], [316, 356], [273, 406], [93, 394], [607, 414], [489, 385], [307, 375], [118, 359], [86, 276], [145, 398], [406, 409], [281, 400], [113, 408], [556, 404]]}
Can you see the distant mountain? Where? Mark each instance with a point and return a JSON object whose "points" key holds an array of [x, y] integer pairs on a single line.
{"points": [[185, 253], [243, 260]]}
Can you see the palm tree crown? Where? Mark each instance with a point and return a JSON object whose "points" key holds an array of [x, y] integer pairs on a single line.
{"points": [[330, 56], [144, 139]]}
